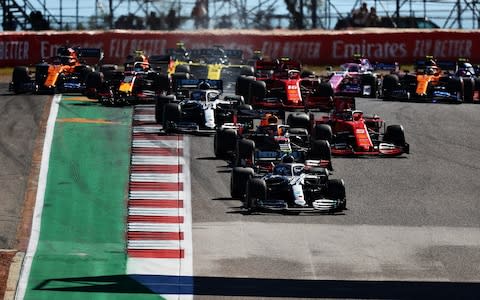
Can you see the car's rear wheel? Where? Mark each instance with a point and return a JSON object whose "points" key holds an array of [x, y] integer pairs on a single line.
{"points": [[244, 151], [323, 132], [370, 80], [160, 103], [298, 120], [238, 181], [20, 76], [224, 142], [389, 83]]}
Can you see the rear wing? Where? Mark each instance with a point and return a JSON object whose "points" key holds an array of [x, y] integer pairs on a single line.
{"points": [[89, 56], [444, 65], [191, 84], [163, 64], [392, 67]]}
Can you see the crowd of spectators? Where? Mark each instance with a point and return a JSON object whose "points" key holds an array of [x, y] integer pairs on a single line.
{"points": [[362, 17]]}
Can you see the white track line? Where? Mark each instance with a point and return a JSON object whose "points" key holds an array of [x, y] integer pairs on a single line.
{"points": [[37, 213]]}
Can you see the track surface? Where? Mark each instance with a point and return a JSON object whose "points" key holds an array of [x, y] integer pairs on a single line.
{"points": [[412, 220], [20, 118], [411, 231]]}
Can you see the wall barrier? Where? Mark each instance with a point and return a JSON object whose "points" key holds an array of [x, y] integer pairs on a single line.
{"points": [[311, 47]]}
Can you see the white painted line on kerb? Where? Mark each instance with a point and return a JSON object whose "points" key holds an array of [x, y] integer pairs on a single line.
{"points": [[155, 227], [156, 177], [157, 195], [40, 197], [156, 160], [148, 211], [141, 143]]}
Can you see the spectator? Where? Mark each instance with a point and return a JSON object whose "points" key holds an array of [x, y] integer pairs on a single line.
{"points": [[172, 20], [372, 20], [9, 23], [199, 14], [224, 22], [360, 15]]}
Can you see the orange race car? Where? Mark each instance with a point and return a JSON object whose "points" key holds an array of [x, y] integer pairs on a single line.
{"points": [[432, 81], [66, 71]]}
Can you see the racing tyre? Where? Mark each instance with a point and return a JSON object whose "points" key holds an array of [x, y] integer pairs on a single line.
{"points": [[224, 142], [256, 191], [307, 74], [395, 134], [258, 89], [247, 71], [320, 150], [245, 107], [336, 191], [160, 104], [323, 132], [161, 83], [468, 89], [245, 149], [298, 120], [324, 89], [94, 80], [476, 89], [182, 68], [20, 76], [242, 86], [171, 115], [369, 79], [389, 83], [238, 181]]}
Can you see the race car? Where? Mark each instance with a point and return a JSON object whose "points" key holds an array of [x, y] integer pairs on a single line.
{"points": [[432, 81], [137, 83], [358, 77], [66, 71], [280, 84], [197, 107], [265, 145], [351, 133], [469, 79], [289, 187], [227, 73]]}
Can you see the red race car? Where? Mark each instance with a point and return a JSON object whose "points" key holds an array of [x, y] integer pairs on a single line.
{"points": [[350, 132], [280, 84]]}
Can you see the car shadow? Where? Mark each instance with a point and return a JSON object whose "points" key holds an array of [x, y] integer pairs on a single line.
{"points": [[260, 287]]}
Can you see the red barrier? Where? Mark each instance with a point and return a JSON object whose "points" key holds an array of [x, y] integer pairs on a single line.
{"points": [[311, 47]]}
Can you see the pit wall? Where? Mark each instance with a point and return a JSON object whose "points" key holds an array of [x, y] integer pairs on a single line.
{"points": [[310, 47]]}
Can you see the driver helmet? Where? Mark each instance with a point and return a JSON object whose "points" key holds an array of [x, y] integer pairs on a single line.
{"points": [[288, 159], [269, 119], [204, 85]]}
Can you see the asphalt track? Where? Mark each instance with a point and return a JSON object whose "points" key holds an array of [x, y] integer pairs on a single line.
{"points": [[20, 121], [411, 230]]}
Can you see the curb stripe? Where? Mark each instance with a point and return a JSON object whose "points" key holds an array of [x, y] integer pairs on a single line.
{"points": [[156, 203], [155, 221], [170, 169], [156, 186], [149, 235], [156, 151], [171, 253]]}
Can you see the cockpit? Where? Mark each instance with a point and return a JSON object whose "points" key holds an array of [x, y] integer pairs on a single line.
{"points": [[288, 169], [203, 95]]}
